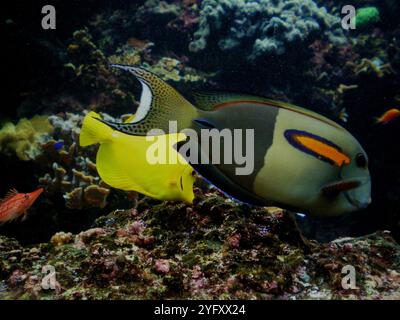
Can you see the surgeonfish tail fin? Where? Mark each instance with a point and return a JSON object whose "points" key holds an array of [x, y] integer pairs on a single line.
{"points": [[94, 130], [159, 104]]}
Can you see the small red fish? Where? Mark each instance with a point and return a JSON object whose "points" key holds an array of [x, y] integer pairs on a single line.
{"points": [[388, 116], [16, 204]]}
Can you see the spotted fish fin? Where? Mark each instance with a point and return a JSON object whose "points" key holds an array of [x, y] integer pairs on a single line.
{"points": [[159, 104], [211, 101]]}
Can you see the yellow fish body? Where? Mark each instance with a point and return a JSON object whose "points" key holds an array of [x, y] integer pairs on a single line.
{"points": [[122, 162]]}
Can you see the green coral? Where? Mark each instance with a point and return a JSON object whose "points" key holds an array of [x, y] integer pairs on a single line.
{"points": [[367, 16]]}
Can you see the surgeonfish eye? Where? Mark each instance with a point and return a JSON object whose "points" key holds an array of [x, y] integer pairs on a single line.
{"points": [[193, 173], [361, 161]]}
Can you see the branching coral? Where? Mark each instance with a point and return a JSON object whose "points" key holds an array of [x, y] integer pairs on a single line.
{"points": [[258, 29], [74, 174]]}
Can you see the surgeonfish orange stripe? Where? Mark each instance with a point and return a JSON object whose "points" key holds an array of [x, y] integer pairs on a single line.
{"points": [[316, 146], [324, 150]]}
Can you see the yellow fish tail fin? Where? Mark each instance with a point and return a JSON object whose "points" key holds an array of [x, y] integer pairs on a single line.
{"points": [[94, 131]]}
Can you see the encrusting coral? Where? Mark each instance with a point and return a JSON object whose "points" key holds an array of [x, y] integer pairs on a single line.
{"points": [[255, 30], [25, 138]]}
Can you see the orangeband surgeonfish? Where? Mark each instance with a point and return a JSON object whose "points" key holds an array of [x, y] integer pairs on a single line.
{"points": [[122, 162], [302, 160]]}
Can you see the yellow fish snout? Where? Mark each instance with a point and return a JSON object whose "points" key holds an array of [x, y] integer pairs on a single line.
{"points": [[187, 178]]}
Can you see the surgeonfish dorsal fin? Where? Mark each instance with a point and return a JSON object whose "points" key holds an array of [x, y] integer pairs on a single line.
{"points": [[159, 104], [207, 101], [211, 101]]}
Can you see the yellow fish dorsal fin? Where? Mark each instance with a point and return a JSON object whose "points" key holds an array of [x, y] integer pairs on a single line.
{"points": [[214, 101], [93, 130]]}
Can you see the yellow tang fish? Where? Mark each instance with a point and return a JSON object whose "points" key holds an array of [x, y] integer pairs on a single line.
{"points": [[123, 162]]}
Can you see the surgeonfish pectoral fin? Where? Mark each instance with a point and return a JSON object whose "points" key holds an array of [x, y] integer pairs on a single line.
{"points": [[94, 130], [159, 104], [204, 123], [333, 189]]}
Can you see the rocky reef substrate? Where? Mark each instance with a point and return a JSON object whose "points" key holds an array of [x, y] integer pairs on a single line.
{"points": [[215, 249]]}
